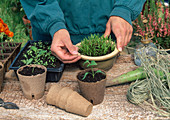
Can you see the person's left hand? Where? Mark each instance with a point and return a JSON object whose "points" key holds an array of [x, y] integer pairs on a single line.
{"points": [[122, 30]]}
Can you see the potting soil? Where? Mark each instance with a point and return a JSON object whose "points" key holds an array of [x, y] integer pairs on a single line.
{"points": [[114, 107]]}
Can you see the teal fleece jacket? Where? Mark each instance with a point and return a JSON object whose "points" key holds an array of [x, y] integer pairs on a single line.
{"points": [[80, 17]]}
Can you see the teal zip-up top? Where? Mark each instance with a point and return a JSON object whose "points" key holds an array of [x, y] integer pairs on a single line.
{"points": [[80, 17]]}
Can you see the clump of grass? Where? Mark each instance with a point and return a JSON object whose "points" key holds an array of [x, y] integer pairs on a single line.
{"points": [[96, 45], [154, 91]]}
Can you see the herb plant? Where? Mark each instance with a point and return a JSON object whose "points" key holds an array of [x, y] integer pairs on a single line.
{"points": [[91, 64], [96, 45]]}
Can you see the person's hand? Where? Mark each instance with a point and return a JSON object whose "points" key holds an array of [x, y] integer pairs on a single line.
{"points": [[63, 48], [122, 30]]}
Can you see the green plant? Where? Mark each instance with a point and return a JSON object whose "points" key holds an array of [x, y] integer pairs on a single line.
{"points": [[96, 45], [37, 53], [27, 61], [91, 64], [14, 19]]}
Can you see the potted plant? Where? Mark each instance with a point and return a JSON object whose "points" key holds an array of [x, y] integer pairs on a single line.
{"points": [[158, 23], [92, 83], [1, 75], [8, 48], [32, 79], [38, 52], [100, 49]]}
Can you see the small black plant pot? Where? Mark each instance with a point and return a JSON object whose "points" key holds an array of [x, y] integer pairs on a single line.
{"points": [[92, 91]]}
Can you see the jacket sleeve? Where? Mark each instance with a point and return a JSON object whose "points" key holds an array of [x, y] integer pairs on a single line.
{"points": [[127, 9], [45, 15]]}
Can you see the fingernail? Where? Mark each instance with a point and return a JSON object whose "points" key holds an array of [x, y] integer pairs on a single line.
{"points": [[74, 52], [120, 49]]}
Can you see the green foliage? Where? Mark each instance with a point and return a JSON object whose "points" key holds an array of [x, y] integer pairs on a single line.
{"points": [[11, 12], [91, 64], [27, 61], [37, 54], [96, 45]]}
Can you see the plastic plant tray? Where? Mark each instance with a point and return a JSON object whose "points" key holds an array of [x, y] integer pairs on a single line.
{"points": [[53, 74], [10, 56]]}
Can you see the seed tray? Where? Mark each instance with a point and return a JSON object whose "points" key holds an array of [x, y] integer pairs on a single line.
{"points": [[53, 74]]}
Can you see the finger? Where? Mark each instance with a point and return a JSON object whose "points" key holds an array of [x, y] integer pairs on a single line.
{"points": [[72, 61], [126, 38], [119, 43], [119, 38], [108, 29], [64, 55], [129, 35], [72, 49]]}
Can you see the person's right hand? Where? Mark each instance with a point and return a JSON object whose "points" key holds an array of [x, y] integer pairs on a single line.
{"points": [[63, 48]]}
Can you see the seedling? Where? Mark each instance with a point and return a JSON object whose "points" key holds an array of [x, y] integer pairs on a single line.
{"points": [[91, 64], [96, 45], [2, 51], [38, 53], [27, 61]]}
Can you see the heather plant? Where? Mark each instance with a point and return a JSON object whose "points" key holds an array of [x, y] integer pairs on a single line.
{"points": [[157, 22], [96, 45]]}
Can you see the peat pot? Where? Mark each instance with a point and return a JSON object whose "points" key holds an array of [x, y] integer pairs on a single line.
{"points": [[92, 91], [33, 85], [69, 100]]}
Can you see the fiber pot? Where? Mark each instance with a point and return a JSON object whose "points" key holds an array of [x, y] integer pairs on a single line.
{"points": [[92, 91], [69, 100], [33, 86], [1, 75], [104, 62]]}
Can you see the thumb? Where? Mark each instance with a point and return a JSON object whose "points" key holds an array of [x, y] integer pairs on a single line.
{"points": [[71, 48], [108, 29]]}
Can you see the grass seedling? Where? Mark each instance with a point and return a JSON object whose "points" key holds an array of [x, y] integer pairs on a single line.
{"points": [[91, 64], [33, 69], [2, 51], [96, 45]]}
